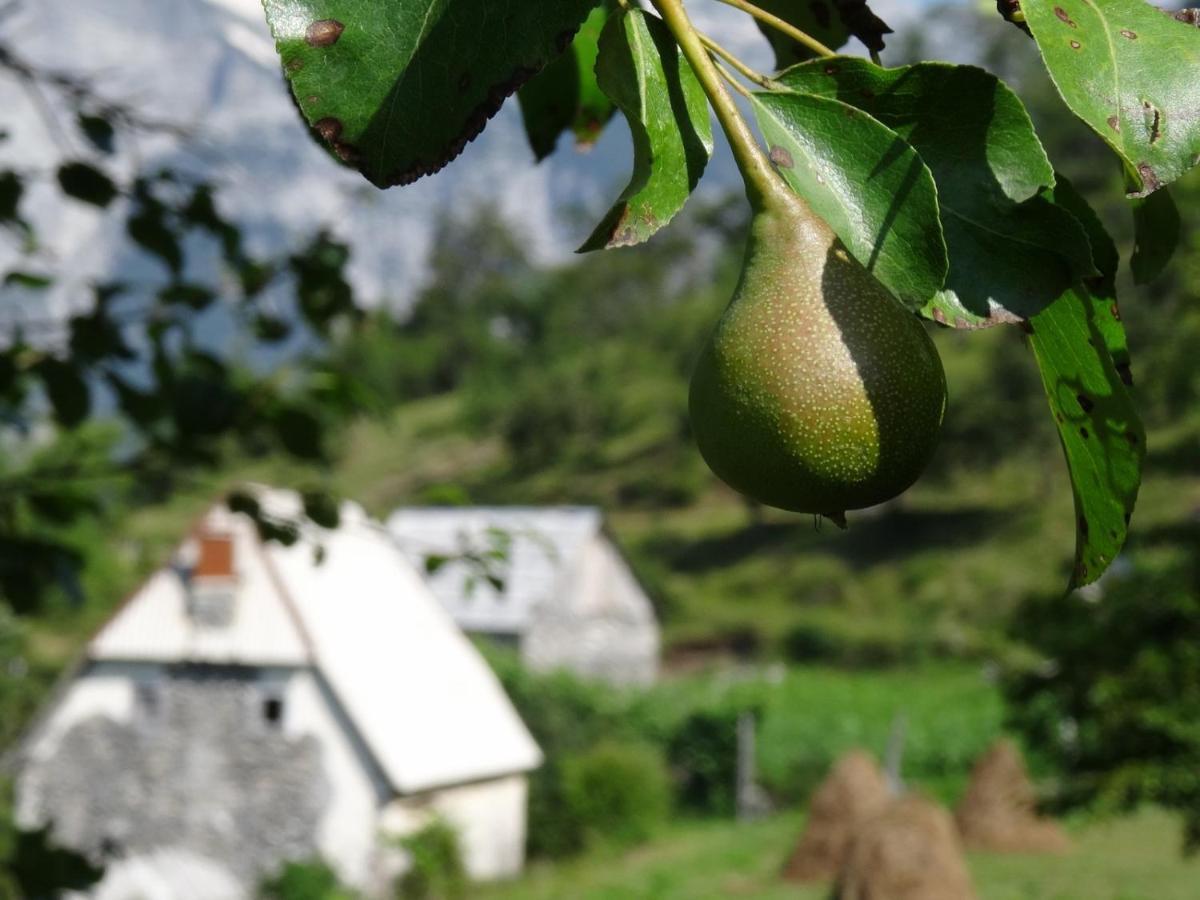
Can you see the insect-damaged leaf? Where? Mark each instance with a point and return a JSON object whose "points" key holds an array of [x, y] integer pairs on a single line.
{"points": [[641, 69], [1080, 347], [1012, 249], [866, 181], [1132, 74], [564, 96], [398, 87]]}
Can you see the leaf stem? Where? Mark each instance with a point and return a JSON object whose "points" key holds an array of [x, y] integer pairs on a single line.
{"points": [[780, 25], [731, 81], [761, 181], [757, 77]]}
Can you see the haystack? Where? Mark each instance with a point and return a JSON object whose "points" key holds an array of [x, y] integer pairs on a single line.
{"points": [[999, 810], [854, 790], [909, 851]]}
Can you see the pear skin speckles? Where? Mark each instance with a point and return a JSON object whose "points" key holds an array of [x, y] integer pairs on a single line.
{"points": [[817, 391]]}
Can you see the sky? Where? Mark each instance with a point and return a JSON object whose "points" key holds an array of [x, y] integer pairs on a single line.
{"points": [[210, 67]]}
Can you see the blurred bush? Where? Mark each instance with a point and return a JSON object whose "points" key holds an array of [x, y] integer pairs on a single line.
{"points": [[435, 865], [1115, 705], [617, 792], [310, 879]]}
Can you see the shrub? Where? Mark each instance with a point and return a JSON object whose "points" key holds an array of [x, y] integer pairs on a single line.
{"points": [[617, 792], [703, 754], [435, 865], [1115, 708], [307, 880]]}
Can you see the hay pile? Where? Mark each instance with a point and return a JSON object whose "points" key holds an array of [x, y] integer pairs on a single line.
{"points": [[999, 810], [910, 851], [854, 790]]}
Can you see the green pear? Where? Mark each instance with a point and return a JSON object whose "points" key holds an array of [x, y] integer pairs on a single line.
{"points": [[817, 392]]}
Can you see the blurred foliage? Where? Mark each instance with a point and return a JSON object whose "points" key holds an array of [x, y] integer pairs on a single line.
{"points": [[154, 356], [308, 880], [1115, 705], [619, 793], [435, 865], [32, 866]]}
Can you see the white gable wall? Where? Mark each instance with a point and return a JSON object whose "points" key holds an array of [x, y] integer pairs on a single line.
{"points": [[489, 818], [347, 831], [604, 627]]}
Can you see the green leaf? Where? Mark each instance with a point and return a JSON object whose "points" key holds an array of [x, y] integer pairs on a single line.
{"points": [[817, 18], [30, 280], [1131, 73], [99, 132], [68, 392], [196, 296], [832, 22], [322, 508], [1012, 249], [86, 183], [565, 96], [866, 182], [1156, 231], [398, 87], [1082, 352], [641, 69], [1098, 424]]}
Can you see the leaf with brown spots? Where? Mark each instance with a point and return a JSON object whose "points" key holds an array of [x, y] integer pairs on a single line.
{"points": [[641, 69], [399, 87], [1132, 74], [1080, 347]]}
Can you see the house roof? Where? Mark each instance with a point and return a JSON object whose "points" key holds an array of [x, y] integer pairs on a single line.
{"points": [[545, 549], [426, 704]]}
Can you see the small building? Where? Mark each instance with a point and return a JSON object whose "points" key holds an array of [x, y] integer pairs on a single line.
{"points": [[560, 593], [254, 703]]}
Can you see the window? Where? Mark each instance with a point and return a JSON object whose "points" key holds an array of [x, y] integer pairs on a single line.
{"points": [[272, 710], [148, 696]]}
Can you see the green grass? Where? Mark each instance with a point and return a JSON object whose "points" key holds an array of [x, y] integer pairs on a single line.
{"points": [[949, 713], [1133, 858]]}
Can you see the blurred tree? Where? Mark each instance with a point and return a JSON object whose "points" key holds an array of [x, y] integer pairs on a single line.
{"points": [[153, 357], [1116, 703]]}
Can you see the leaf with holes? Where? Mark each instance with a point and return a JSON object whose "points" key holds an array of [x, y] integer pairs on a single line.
{"points": [[1012, 249], [641, 69], [398, 87], [564, 96], [832, 22], [1132, 74], [866, 181], [1156, 231], [1080, 347], [1098, 425]]}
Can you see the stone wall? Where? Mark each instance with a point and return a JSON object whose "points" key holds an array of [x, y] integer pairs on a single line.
{"points": [[199, 767]]}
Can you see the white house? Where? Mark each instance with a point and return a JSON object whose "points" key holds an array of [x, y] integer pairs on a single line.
{"points": [[254, 703], [565, 597]]}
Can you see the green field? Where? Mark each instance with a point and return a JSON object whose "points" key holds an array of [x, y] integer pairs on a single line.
{"points": [[1134, 858]]}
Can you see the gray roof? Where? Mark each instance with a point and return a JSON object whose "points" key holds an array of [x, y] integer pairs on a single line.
{"points": [[545, 547]]}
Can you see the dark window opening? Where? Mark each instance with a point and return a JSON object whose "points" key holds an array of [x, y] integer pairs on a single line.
{"points": [[273, 710], [148, 698]]}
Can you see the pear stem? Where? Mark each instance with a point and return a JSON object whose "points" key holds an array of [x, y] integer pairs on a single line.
{"points": [[781, 26], [761, 181]]}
